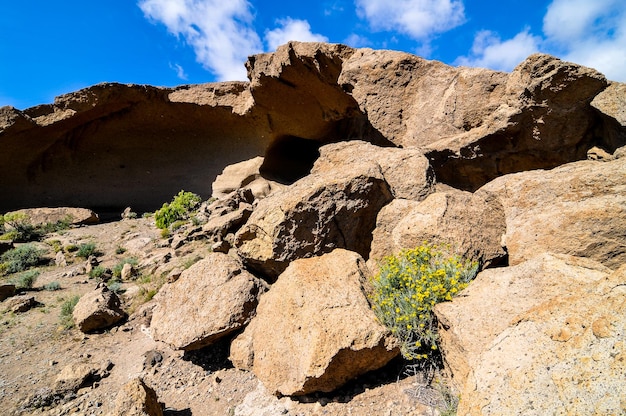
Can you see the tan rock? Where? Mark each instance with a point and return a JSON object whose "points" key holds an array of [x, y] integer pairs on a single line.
{"points": [[20, 304], [137, 399], [577, 209], [237, 176], [611, 104], [127, 271], [98, 309], [471, 225], [540, 351], [210, 300], [324, 211], [325, 333], [407, 171], [42, 216]]}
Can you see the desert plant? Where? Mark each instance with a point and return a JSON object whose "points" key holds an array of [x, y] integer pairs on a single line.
{"points": [[407, 288], [21, 258], [97, 272], [67, 309], [20, 229], [85, 250], [115, 286], [55, 245], [26, 280], [179, 209], [52, 286], [120, 250]]}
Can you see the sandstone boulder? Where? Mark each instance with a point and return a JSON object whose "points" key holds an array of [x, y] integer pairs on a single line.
{"points": [[472, 225], [137, 399], [325, 333], [43, 216], [611, 104], [210, 300], [578, 209], [20, 304], [407, 171], [77, 375], [333, 209], [240, 175], [543, 335], [6, 290], [98, 309]]}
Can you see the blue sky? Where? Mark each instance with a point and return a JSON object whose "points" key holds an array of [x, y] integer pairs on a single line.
{"points": [[48, 48]]}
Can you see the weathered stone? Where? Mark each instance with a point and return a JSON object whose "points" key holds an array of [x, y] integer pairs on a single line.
{"points": [[333, 209], [325, 333], [20, 304], [407, 171], [237, 176], [127, 271], [548, 337], [98, 309], [219, 225], [471, 225], [137, 399], [6, 290], [74, 376], [59, 259], [577, 209], [210, 300], [74, 216]]}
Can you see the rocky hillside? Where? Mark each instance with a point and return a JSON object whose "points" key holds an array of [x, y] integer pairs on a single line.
{"points": [[328, 160]]}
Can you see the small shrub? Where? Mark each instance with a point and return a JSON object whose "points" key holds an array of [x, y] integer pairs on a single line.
{"points": [[115, 286], [97, 272], [179, 209], [21, 258], [407, 288], [26, 280], [165, 233], [53, 227], [55, 245], [52, 286], [70, 248], [67, 309], [85, 250], [20, 229], [120, 250], [117, 270]]}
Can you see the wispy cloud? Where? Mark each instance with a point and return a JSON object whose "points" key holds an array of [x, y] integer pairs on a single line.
{"points": [[418, 19], [180, 72], [489, 51], [291, 29], [581, 31], [220, 32]]}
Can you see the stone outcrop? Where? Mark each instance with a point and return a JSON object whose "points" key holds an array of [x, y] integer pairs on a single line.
{"points": [[325, 333], [545, 334], [137, 399], [333, 209], [471, 225], [73, 216], [577, 209], [210, 300], [98, 309], [611, 103], [243, 175]]}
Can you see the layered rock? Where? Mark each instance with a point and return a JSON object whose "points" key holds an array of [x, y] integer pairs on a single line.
{"points": [[577, 209], [319, 213], [545, 335], [471, 225], [210, 300], [325, 333]]}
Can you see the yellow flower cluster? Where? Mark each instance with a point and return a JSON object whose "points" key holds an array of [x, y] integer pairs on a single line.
{"points": [[409, 285]]}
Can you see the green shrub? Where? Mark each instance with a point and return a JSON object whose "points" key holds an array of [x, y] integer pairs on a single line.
{"points": [[67, 309], [117, 270], [70, 248], [97, 272], [85, 250], [115, 286], [120, 250], [26, 280], [52, 286], [55, 245], [179, 209], [21, 258], [20, 230], [407, 288]]}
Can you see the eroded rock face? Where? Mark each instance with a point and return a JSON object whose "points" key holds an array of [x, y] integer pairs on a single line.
{"points": [[319, 213], [472, 225], [549, 337], [325, 333], [577, 209], [98, 309], [211, 299]]}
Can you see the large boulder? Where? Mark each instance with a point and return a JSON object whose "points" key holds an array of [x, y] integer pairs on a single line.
{"points": [[246, 174], [98, 309], [407, 171], [543, 335], [43, 216], [578, 209], [471, 225], [333, 209], [137, 399], [611, 104], [210, 300], [325, 332]]}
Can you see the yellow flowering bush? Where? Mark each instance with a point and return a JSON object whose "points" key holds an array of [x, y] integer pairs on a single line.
{"points": [[409, 285]]}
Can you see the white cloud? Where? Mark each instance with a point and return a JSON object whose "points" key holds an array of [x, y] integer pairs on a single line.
{"points": [[357, 41], [220, 32], [419, 19], [589, 33], [291, 29], [489, 51], [180, 71]]}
